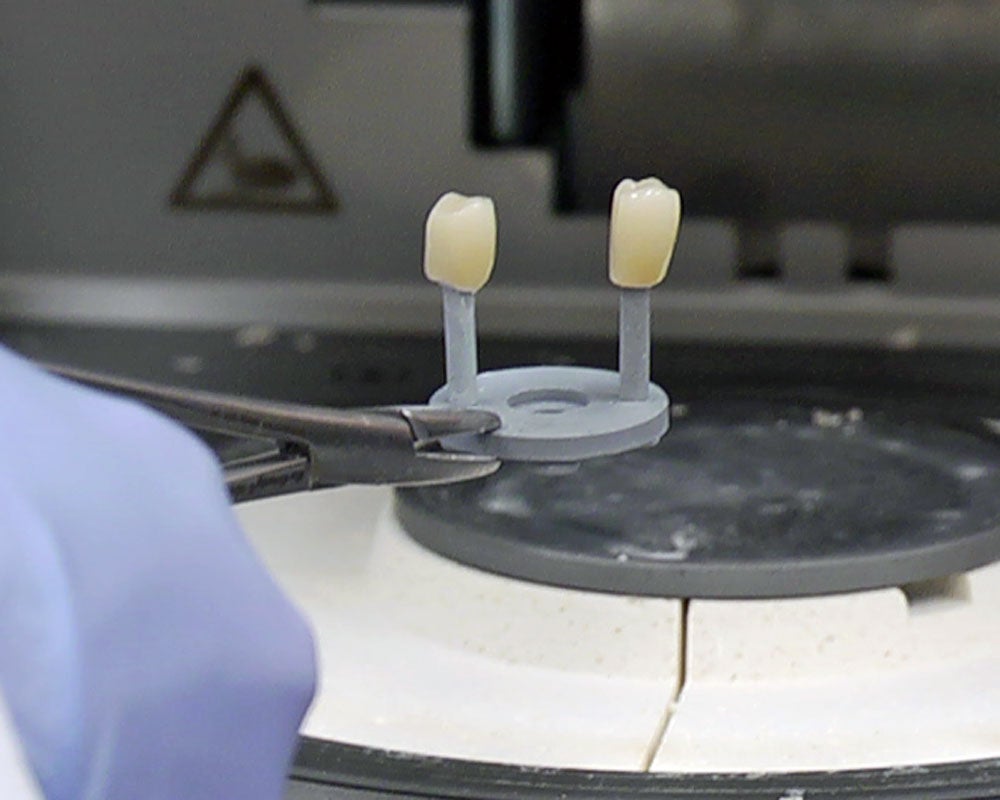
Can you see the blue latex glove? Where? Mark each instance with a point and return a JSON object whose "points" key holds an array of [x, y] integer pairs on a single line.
{"points": [[145, 653]]}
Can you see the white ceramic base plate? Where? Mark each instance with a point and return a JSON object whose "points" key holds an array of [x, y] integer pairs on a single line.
{"points": [[424, 655], [421, 654], [871, 679]]}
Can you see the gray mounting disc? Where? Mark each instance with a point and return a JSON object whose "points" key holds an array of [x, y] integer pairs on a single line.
{"points": [[742, 499], [554, 414]]}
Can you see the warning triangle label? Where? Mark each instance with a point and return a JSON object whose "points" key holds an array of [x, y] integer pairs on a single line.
{"points": [[252, 158]]}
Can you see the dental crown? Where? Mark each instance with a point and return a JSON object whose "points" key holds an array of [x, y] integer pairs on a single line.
{"points": [[645, 220], [460, 242]]}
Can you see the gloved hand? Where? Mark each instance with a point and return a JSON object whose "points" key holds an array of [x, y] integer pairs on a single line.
{"points": [[145, 653]]}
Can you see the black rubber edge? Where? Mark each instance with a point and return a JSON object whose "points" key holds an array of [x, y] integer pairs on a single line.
{"points": [[333, 770]]}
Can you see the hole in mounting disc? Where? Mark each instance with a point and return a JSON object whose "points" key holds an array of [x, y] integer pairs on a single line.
{"points": [[548, 401]]}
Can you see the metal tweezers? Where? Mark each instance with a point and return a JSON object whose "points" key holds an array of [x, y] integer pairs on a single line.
{"points": [[315, 446]]}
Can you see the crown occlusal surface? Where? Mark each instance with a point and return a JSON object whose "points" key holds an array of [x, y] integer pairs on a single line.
{"points": [[460, 241], [645, 220]]}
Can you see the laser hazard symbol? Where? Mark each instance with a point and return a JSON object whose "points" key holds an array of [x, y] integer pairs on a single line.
{"points": [[253, 158]]}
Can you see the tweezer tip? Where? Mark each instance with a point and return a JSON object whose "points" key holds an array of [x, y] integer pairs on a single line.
{"points": [[430, 424]]}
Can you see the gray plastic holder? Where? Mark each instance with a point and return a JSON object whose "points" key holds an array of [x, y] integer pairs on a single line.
{"points": [[554, 414]]}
